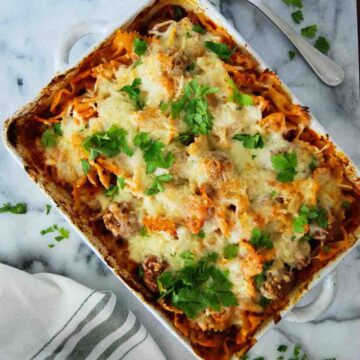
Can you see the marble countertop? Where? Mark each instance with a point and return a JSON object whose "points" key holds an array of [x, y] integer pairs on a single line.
{"points": [[29, 34]]}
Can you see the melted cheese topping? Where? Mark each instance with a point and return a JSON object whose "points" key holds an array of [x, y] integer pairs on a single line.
{"points": [[241, 182]]}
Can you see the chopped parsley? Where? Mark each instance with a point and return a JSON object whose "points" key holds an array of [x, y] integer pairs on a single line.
{"points": [[282, 348], [185, 138], [178, 13], [157, 186], [108, 143], [50, 246], [285, 166], [198, 286], [137, 63], [190, 67], [153, 153], [187, 257], [260, 240], [133, 91], [295, 3], [322, 44], [345, 204], [231, 251], [221, 50], [50, 136], [144, 232], [113, 190], [199, 29], [292, 54], [85, 166], [264, 302], [261, 277], [19, 208], [201, 234], [313, 163], [250, 141], [62, 232], [194, 104], [140, 46], [48, 208], [309, 31], [307, 215], [238, 97], [297, 16]]}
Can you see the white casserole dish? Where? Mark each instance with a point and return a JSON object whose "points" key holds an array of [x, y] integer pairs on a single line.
{"points": [[304, 314]]}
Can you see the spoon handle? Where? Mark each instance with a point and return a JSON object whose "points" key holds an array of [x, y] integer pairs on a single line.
{"points": [[327, 70]]}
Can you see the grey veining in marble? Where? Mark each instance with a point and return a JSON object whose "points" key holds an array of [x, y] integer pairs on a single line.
{"points": [[29, 34]]}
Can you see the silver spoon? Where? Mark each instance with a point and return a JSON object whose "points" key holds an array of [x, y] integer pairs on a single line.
{"points": [[326, 69]]}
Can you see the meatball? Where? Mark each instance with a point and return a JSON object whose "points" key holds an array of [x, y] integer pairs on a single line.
{"points": [[153, 267], [278, 284], [121, 220]]}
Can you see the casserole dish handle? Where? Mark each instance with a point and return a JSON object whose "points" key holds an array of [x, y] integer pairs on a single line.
{"points": [[327, 293]]}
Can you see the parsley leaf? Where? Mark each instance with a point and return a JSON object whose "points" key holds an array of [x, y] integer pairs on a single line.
{"points": [[285, 166], [239, 97], [185, 138], [309, 31], [140, 46], [194, 103], [62, 232], [250, 141], [201, 234], [153, 153], [310, 214], [282, 348], [112, 191], [19, 208], [48, 208], [322, 44], [199, 29], [313, 163], [144, 232], [297, 16], [190, 67], [260, 239], [108, 143], [133, 91], [85, 166], [157, 185], [292, 54], [221, 50], [50, 136], [198, 286], [231, 251], [295, 3]]}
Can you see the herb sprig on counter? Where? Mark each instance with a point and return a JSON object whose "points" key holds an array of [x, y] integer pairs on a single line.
{"points": [[198, 286], [62, 233], [19, 208]]}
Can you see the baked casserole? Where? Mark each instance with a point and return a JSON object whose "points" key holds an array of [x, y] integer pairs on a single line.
{"points": [[195, 171]]}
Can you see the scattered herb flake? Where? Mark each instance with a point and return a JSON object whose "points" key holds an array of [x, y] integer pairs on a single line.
{"points": [[185, 138], [238, 97], [282, 348], [157, 185], [297, 16], [201, 234], [140, 46], [133, 91], [221, 50], [250, 141], [292, 54], [231, 251], [48, 208], [309, 31], [313, 163], [285, 166], [112, 191], [295, 3], [260, 239], [51, 246], [322, 44], [144, 232], [19, 208], [85, 166], [199, 29]]}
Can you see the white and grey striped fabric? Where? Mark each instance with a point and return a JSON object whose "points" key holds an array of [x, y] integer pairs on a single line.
{"points": [[46, 316]]}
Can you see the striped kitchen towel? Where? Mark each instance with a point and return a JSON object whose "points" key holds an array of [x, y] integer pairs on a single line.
{"points": [[46, 316]]}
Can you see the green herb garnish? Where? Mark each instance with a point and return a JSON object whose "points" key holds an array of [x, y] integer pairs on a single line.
{"points": [[231, 251], [322, 44], [201, 234], [310, 214], [221, 50], [260, 239], [292, 54], [297, 16], [62, 232], [199, 29], [85, 166], [157, 186], [190, 67], [19, 208], [108, 143], [282, 348], [250, 141], [285, 166], [185, 138], [50, 136], [144, 232], [140, 46], [133, 91], [48, 208], [313, 163], [198, 286], [309, 31], [238, 97], [295, 3], [153, 153]]}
